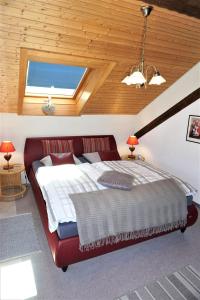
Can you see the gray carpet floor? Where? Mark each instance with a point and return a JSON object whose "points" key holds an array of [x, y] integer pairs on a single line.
{"points": [[18, 237], [111, 275], [180, 285]]}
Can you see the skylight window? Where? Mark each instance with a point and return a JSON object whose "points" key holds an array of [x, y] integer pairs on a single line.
{"points": [[57, 80], [61, 83]]}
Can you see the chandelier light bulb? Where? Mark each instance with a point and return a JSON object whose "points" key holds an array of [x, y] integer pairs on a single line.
{"points": [[137, 78], [126, 80], [157, 79]]}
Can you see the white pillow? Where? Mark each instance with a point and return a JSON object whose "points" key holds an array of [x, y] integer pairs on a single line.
{"points": [[47, 162], [92, 157]]}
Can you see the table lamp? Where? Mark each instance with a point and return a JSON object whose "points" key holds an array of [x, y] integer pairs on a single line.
{"points": [[6, 147], [132, 140]]}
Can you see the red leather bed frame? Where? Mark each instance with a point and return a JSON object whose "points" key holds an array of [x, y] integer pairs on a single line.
{"points": [[66, 252]]}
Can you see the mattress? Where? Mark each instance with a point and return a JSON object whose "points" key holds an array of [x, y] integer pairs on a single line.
{"points": [[69, 229], [66, 230]]}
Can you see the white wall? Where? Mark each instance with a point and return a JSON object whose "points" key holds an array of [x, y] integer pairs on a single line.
{"points": [[166, 145], [189, 82], [17, 128]]}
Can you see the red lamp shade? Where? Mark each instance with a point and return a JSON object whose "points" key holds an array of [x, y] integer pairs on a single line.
{"points": [[132, 140], [7, 146]]}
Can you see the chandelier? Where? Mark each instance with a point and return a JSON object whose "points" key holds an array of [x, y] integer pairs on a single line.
{"points": [[139, 74]]}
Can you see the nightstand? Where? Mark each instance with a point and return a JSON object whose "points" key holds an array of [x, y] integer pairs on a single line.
{"points": [[11, 187]]}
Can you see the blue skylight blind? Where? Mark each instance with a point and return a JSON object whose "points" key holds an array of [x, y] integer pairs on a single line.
{"points": [[63, 78]]}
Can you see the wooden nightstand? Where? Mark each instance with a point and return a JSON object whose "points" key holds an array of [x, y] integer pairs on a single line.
{"points": [[11, 187]]}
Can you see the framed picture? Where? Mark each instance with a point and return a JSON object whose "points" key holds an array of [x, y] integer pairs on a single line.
{"points": [[193, 129]]}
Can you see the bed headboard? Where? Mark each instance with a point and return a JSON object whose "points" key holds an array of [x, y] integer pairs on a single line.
{"points": [[33, 149]]}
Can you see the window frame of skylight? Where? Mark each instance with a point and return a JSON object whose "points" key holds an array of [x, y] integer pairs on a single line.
{"points": [[98, 71], [55, 96]]}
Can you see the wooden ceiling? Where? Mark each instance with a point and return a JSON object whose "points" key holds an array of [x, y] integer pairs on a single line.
{"points": [[107, 29]]}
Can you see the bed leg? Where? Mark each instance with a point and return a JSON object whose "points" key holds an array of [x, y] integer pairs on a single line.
{"points": [[64, 269], [183, 229]]}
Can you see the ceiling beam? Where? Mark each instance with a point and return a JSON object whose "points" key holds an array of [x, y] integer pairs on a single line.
{"points": [[186, 7], [189, 99]]}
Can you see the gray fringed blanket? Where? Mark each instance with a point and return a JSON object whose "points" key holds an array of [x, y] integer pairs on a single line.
{"points": [[109, 216]]}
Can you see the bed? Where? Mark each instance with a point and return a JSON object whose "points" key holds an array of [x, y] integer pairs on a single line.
{"points": [[67, 251]]}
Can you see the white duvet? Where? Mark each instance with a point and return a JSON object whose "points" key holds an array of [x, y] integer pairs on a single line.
{"points": [[57, 182]]}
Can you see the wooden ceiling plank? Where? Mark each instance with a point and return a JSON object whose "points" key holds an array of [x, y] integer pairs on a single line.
{"points": [[65, 38], [87, 18], [118, 32], [120, 55], [114, 7], [24, 23], [47, 41]]}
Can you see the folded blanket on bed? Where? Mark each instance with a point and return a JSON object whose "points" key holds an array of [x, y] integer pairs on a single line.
{"points": [[116, 180], [109, 216]]}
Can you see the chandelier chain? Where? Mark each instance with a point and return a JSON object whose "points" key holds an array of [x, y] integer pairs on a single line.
{"points": [[143, 45]]}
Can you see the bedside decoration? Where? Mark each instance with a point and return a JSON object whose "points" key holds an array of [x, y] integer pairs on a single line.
{"points": [[48, 108], [140, 157], [7, 147], [193, 129], [132, 140], [138, 74]]}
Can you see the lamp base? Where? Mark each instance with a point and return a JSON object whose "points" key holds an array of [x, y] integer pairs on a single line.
{"points": [[8, 167]]}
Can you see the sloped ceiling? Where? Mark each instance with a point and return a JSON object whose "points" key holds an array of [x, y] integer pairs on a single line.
{"points": [[107, 29]]}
